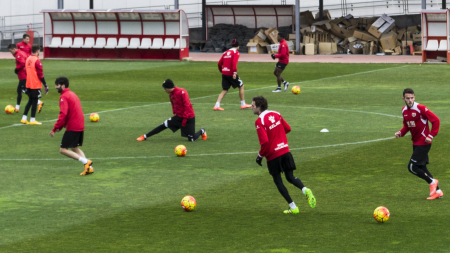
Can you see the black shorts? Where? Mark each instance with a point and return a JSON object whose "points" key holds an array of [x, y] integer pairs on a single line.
{"points": [[22, 86], [420, 154], [72, 139], [34, 93], [281, 164], [175, 123], [228, 81], [281, 65]]}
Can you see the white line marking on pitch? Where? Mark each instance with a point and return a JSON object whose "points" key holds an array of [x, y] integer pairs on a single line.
{"points": [[196, 155], [138, 106]]}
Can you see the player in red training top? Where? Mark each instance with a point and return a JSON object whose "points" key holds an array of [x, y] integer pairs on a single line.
{"points": [[72, 118], [183, 115], [25, 45], [21, 58], [228, 67], [415, 119], [272, 130], [283, 61]]}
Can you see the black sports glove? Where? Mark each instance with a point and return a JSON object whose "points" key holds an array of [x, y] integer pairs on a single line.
{"points": [[273, 56], [259, 160], [16, 71]]}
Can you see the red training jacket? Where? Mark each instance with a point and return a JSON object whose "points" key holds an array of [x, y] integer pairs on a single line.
{"points": [[272, 130], [21, 58], [415, 119], [70, 113], [283, 52], [24, 47], [181, 104], [228, 62]]}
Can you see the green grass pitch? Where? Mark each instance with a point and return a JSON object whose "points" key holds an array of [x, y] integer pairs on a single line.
{"points": [[132, 201]]}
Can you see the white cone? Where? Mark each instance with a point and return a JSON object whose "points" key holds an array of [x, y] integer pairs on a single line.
{"points": [[324, 130]]}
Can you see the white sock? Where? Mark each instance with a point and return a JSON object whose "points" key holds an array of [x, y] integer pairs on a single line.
{"points": [[24, 117], [432, 182], [438, 191], [17, 107], [243, 103], [39, 101], [217, 104], [304, 189], [292, 205], [83, 160], [32, 119], [145, 136]]}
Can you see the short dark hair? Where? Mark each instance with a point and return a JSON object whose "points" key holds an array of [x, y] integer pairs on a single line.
{"points": [[63, 81], [282, 35], [408, 90], [25, 35], [12, 46], [261, 102], [35, 48]]}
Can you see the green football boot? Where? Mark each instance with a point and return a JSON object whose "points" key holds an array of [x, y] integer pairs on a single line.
{"points": [[290, 210], [311, 198]]}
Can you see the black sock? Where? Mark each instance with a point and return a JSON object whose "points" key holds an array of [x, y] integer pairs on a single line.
{"points": [[414, 169], [28, 106], [425, 169], [196, 136], [34, 102], [157, 130], [293, 180], [281, 188]]}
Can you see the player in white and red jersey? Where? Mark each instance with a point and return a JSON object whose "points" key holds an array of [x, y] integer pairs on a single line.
{"points": [[228, 67], [415, 120], [272, 130]]}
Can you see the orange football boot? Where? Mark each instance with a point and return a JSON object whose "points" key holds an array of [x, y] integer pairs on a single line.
{"points": [[141, 138], [218, 109], [40, 107], [433, 187], [436, 195], [246, 106]]}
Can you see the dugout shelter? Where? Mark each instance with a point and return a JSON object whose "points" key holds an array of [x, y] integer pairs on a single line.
{"points": [[116, 34], [251, 16], [435, 34]]}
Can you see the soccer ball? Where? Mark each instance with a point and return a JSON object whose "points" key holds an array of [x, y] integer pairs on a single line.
{"points": [[9, 109], [188, 203], [94, 117], [381, 214], [180, 150], [295, 90]]}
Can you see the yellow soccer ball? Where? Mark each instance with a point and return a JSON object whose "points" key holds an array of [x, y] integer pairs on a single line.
{"points": [[296, 90], [188, 203], [180, 150], [381, 214], [94, 117], [9, 109]]}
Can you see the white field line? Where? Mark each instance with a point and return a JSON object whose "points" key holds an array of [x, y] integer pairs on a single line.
{"points": [[196, 155], [138, 106]]}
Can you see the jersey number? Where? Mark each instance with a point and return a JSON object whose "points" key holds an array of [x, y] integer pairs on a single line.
{"points": [[411, 123]]}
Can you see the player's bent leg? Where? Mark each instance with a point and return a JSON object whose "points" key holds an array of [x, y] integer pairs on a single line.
{"points": [[289, 174], [281, 188], [242, 97], [219, 99], [156, 130]]}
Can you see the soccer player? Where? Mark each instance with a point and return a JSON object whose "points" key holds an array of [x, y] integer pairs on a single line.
{"points": [[35, 79], [415, 119], [21, 58], [71, 117], [283, 61], [183, 115], [272, 130], [25, 45], [228, 67]]}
